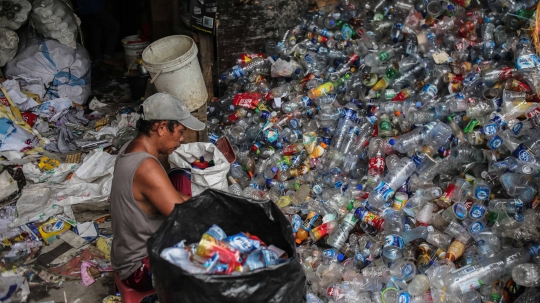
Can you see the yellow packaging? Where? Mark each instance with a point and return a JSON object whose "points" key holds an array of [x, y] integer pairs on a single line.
{"points": [[47, 163], [318, 151], [52, 228]]}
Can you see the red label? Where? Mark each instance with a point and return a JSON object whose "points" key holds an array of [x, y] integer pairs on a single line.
{"points": [[247, 100], [533, 112], [29, 118]]}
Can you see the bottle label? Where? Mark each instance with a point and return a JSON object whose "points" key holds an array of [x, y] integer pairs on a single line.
{"points": [[349, 220], [498, 118], [476, 227], [416, 159], [470, 285], [383, 56], [238, 72], [384, 190], [523, 153], [330, 253], [516, 129], [385, 126], [478, 210], [430, 89], [213, 138], [490, 129], [376, 163], [338, 184], [495, 142], [349, 114], [526, 61], [393, 241], [317, 189], [404, 297], [480, 193], [359, 258], [407, 271], [460, 211]]}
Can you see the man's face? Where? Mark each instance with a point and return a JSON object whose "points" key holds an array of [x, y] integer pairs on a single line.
{"points": [[170, 141]]}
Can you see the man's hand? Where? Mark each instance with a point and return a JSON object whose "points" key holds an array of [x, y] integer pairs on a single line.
{"points": [[152, 184]]}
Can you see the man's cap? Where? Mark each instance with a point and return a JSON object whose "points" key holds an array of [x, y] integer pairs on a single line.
{"points": [[163, 106]]}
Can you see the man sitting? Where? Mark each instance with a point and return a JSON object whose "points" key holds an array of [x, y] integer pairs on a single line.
{"points": [[142, 194]]}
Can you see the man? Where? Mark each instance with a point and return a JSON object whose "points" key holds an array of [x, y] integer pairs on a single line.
{"points": [[142, 194]]}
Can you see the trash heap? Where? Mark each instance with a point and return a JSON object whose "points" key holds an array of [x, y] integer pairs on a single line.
{"points": [[56, 155], [400, 139]]}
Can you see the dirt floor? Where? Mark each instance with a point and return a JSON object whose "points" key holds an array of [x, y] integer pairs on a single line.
{"points": [[74, 292]]}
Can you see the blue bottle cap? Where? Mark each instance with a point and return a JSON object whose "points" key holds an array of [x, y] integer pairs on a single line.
{"points": [[418, 104], [392, 141], [332, 22], [268, 181], [274, 169], [395, 40], [340, 257], [359, 187]]}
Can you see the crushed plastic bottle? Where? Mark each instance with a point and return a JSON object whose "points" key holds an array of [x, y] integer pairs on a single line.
{"points": [[400, 139]]}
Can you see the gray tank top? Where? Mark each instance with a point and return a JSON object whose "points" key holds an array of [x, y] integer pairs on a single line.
{"points": [[131, 225]]}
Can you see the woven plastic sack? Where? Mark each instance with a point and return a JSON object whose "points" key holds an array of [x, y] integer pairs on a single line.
{"points": [[16, 15], [55, 19], [201, 179], [52, 70], [8, 45]]}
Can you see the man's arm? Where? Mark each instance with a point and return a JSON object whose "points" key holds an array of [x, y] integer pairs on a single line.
{"points": [[153, 183]]}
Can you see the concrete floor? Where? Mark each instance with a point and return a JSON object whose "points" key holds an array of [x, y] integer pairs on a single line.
{"points": [[75, 292]]}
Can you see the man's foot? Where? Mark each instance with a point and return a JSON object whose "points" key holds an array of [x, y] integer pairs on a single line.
{"points": [[113, 62]]}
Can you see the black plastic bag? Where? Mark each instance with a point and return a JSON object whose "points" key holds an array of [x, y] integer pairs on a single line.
{"points": [[189, 221]]}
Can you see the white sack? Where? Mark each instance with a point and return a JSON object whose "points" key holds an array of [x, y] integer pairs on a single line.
{"points": [[52, 70], [56, 20], [213, 177], [9, 42], [8, 186]]}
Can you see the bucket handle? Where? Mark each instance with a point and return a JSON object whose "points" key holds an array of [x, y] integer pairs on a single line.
{"points": [[155, 77]]}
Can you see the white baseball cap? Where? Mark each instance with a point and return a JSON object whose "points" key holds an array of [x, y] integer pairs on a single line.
{"points": [[163, 106]]}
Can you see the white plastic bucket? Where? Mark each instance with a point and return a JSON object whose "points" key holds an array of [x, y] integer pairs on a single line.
{"points": [[133, 50], [172, 62]]}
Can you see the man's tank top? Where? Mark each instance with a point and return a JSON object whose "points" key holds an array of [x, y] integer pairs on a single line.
{"points": [[131, 225]]}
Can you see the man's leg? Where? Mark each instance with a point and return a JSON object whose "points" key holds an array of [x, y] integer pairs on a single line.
{"points": [[107, 21]]}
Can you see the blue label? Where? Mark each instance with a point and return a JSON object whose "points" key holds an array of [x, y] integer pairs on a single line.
{"points": [[358, 257], [330, 253], [349, 114], [326, 140], [393, 240], [213, 138], [523, 153], [238, 72], [407, 271], [338, 184], [384, 190], [495, 142], [416, 159], [398, 26], [296, 222], [499, 119], [526, 61], [490, 129], [430, 89], [404, 297], [516, 129], [477, 227], [460, 211], [478, 210]]}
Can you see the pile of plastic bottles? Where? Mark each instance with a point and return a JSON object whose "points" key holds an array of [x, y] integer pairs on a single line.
{"points": [[218, 254], [401, 139]]}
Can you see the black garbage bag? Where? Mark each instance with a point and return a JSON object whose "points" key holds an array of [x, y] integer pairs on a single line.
{"points": [[189, 221]]}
